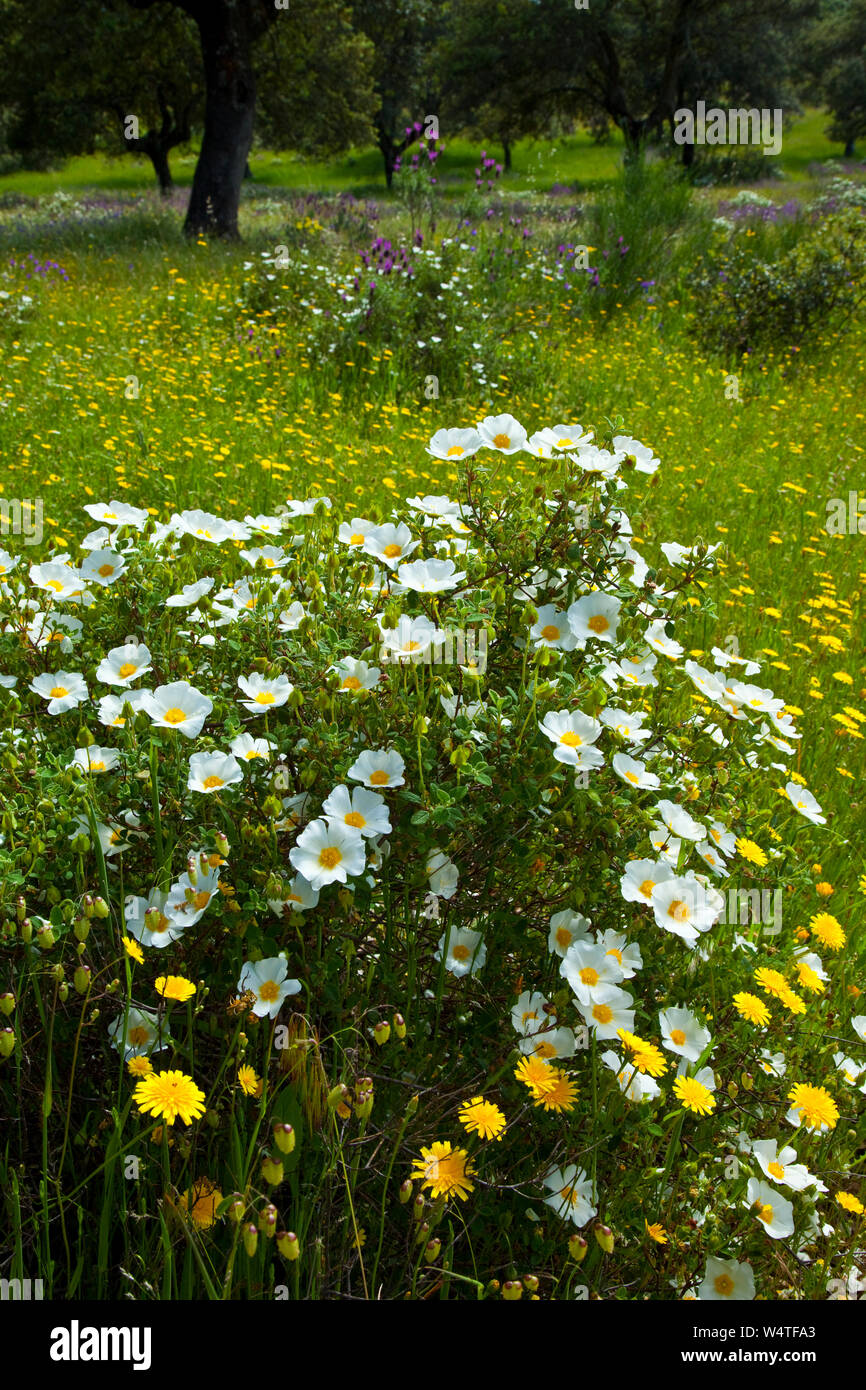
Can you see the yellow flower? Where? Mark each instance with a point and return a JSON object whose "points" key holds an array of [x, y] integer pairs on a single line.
{"points": [[169, 1094], [850, 1203], [537, 1074], [824, 890], [139, 1066], [645, 1055], [772, 981], [816, 1106], [201, 1202], [133, 950], [750, 851], [482, 1116], [793, 1002], [445, 1170], [656, 1232], [752, 1009], [694, 1095], [360, 1240], [562, 1096], [809, 978], [249, 1083], [828, 931], [174, 987]]}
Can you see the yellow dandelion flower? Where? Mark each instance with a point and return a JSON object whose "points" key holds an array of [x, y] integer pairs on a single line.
{"points": [[793, 1002], [139, 1066], [133, 949], [828, 931], [748, 850], [174, 987], [201, 1202], [816, 1106], [482, 1117], [772, 981], [562, 1096], [809, 979], [249, 1083], [850, 1203], [445, 1170], [168, 1095], [656, 1232], [537, 1074], [645, 1055], [752, 1009], [694, 1095], [824, 890]]}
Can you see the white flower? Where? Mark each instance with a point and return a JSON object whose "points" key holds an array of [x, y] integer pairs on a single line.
{"points": [[551, 629], [95, 759], [528, 1015], [267, 981], [111, 707], [356, 675], [610, 1010], [595, 615], [550, 1043], [273, 557], [589, 969], [726, 1281], [410, 640], [641, 877], [328, 852], [188, 901], [123, 665], [566, 927], [678, 820], [264, 694], [146, 920], [378, 767], [503, 433], [355, 532], [103, 567], [443, 875], [246, 747], [210, 772], [571, 1194], [64, 690], [683, 1034], [627, 955], [859, 1025], [627, 725], [707, 683], [645, 460], [139, 1033], [291, 617], [634, 773], [570, 731], [178, 706], [804, 802], [454, 444], [390, 543], [190, 594], [307, 507], [657, 638], [683, 906], [116, 513], [359, 809], [774, 1212], [780, 1165], [466, 952], [430, 576], [301, 897]]}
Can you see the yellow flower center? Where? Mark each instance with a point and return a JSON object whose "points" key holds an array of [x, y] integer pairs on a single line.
{"points": [[351, 683], [545, 1049], [393, 550], [58, 692], [55, 584], [355, 818], [212, 781], [647, 887], [571, 740], [356, 538], [97, 767], [765, 1212], [379, 778], [455, 451], [138, 1035], [502, 441], [724, 1285], [161, 926], [269, 991], [598, 623], [105, 570], [678, 910], [175, 716], [602, 1013], [550, 633], [265, 697], [563, 937], [200, 900], [589, 976], [677, 1037], [633, 778], [616, 953], [776, 1170], [461, 952], [329, 857], [128, 668]]}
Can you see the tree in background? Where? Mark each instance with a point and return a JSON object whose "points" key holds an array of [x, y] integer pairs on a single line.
{"points": [[835, 59], [95, 75], [402, 33]]}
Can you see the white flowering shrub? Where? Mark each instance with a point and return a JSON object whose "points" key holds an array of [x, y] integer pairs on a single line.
{"points": [[414, 888]]}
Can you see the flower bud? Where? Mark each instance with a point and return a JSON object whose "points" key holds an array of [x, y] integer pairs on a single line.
{"points": [[382, 1032], [411, 1106], [272, 1171], [45, 938], [81, 978], [221, 841], [418, 1206], [26, 930], [268, 1220], [400, 1026], [20, 908], [531, 1283], [577, 1248], [237, 1209], [748, 1080], [512, 1290], [433, 1250], [87, 905], [405, 1191], [101, 908], [288, 1245], [284, 1137], [7, 1004], [251, 1239], [337, 1095], [604, 1236], [7, 1042], [81, 927]]}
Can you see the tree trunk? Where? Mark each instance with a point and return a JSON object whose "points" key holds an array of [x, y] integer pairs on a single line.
{"points": [[159, 159], [506, 148], [849, 147], [230, 103]]}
